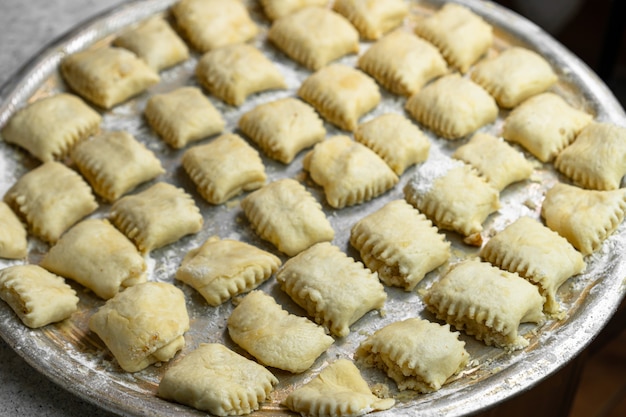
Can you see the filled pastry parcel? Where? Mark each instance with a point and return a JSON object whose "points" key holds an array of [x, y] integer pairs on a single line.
{"points": [[143, 324]]}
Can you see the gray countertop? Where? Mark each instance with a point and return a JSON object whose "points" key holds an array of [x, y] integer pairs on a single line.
{"points": [[25, 28]]}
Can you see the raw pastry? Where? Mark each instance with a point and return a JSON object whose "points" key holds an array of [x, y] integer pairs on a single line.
{"points": [[395, 139], [275, 9], [544, 125], [453, 196], [155, 217], [399, 243], [332, 287], [486, 302], [341, 94], [597, 158], [98, 256], [275, 337], [494, 160], [223, 268], [402, 62], [51, 198], [49, 127], [215, 379], [233, 72], [37, 296], [182, 116], [314, 36], [514, 75], [155, 42], [461, 35], [586, 218], [107, 76], [224, 168], [283, 127], [452, 106], [143, 324], [415, 353], [210, 24], [114, 163], [13, 237], [373, 18], [339, 390], [536, 253], [349, 172], [284, 213]]}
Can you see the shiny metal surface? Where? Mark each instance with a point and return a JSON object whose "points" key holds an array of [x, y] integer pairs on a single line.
{"points": [[77, 360]]}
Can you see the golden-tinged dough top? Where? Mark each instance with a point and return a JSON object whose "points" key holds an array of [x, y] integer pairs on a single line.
{"points": [[417, 353], [275, 337], [461, 35], [37, 296], [584, 217], [13, 237], [213, 378], [286, 214], [338, 390], [210, 24], [142, 323], [486, 302], [49, 127]]}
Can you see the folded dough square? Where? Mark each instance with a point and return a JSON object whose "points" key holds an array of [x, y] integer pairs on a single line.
{"points": [[143, 324], [597, 157], [114, 163], [37, 296], [223, 268], [349, 171], [213, 378], [486, 302], [341, 94], [453, 196], [314, 36], [233, 72], [156, 217], [48, 128], [544, 125], [461, 35], [395, 139], [417, 354], [155, 42], [98, 256], [494, 160], [452, 106], [107, 76], [51, 198], [224, 168], [514, 75], [13, 236], [275, 9], [210, 24], [182, 116], [338, 390], [373, 18], [586, 218], [332, 287], [287, 215], [283, 127], [400, 244], [402, 62], [274, 336], [536, 253]]}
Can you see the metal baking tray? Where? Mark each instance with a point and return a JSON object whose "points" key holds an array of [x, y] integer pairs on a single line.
{"points": [[70, 355]]}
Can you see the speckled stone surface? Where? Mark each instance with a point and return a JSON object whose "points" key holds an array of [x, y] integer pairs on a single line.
{"points": [[25, 28]]}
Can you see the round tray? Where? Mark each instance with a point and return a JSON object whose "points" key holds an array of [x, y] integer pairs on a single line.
{"points": [[69, 354]]}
